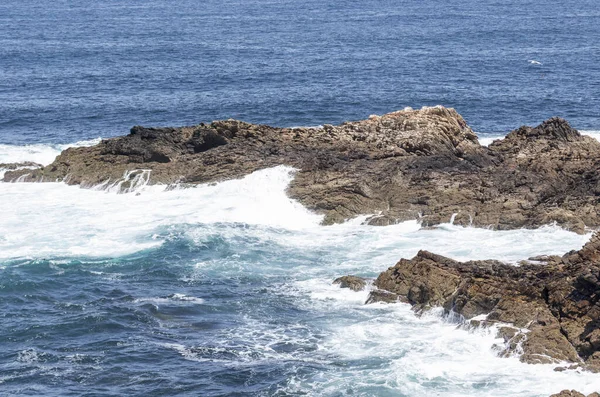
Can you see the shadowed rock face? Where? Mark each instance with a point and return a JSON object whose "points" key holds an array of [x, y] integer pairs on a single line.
{"points": [[552, 310], [404, 165]]}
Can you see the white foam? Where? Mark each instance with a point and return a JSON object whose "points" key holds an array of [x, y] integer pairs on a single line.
{"points": [[592, 133], [486, 140], [418, 355], [184, 351], [43, 154], [366, 250], [53, 219], [173, 299], [29, 356]]}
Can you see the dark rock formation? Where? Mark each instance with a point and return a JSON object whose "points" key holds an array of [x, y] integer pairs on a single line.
{"points": [[548, 312], [353, 282], [404, 165]]}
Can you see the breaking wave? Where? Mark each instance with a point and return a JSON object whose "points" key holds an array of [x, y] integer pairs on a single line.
{"points": [[234, 278]]}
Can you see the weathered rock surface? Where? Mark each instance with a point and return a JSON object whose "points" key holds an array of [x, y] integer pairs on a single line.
{"points": [[380, 295], [404, 165], [15, 166], [550, 311], [352, 282]]}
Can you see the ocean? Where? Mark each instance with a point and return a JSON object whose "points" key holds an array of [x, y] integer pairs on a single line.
{"points": [[226, 289]]}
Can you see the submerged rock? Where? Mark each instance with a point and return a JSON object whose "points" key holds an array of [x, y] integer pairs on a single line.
{"points": [[552, 310], [422, 164], [353, 282]]}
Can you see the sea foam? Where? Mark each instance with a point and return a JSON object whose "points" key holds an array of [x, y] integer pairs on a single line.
{"points": [[380, 348], [54, 219], [43, 154]]}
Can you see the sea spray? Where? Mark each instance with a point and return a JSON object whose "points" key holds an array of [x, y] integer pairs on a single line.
{"points": [[232, 279], [43, 154]]}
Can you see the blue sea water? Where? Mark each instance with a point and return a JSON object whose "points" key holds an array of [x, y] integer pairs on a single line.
{"points": [[73, 70], [226, 290]]}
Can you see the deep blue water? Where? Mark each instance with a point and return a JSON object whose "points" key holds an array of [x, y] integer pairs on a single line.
{"points": [[115, 327], [226, 290], [71, 70]]}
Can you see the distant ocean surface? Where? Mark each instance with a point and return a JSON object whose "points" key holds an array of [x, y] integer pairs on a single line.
{"points": [[225, 290], [73, 70]]}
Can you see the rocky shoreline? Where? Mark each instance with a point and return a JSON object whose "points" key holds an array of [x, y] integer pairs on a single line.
{"points": [[573, 393], [546, 310], [422, 164]]}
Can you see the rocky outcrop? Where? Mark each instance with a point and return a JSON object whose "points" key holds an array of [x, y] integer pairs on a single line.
{"points": [[352, 282], [573, 393], [380, 295], [546, 312], [409, 164], [25, 168], [16, 166]]}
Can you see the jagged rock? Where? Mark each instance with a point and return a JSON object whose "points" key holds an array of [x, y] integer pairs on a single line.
{"points": [[568, 393], [352, 282], [573, 393], [553, 308], [379, 295], [16, 166], [409, 164]]}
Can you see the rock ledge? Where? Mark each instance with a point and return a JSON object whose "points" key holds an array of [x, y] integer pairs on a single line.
{"points": [[553, 309], [422, 164]]}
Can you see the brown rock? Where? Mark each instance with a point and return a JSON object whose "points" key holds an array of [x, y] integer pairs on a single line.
{"points": [[568, 393], [557, 303], [352, 282], [409, 164], [383, 296], [507, 333], [573, 393], [16, 166]]}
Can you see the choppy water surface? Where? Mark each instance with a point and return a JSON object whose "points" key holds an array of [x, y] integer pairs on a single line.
{"points": [[226, 290], [176, 292], [75, 70]]}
